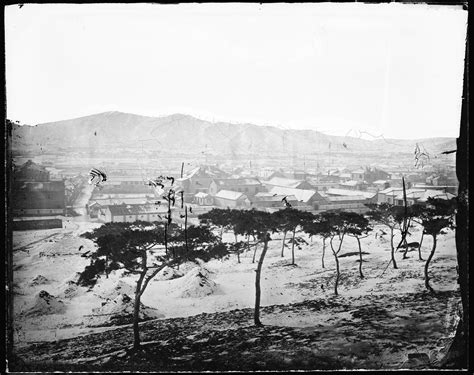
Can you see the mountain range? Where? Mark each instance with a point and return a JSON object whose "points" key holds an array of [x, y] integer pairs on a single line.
{"points": [[190, 135]]}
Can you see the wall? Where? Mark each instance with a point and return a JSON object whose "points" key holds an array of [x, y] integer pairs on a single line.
{"points": [[37, 224]]}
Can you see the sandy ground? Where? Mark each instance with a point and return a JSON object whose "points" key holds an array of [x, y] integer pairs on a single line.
{"points": [[388, 306], [55, 255]]}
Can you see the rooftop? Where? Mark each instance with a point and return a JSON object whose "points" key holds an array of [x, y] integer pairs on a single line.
{"points": [[230, 195], [349, 183], [136, 209], [269, 197], [346, 192], [201, 195], [236, 181], [282, 181], [342, 198], [301, 195]]}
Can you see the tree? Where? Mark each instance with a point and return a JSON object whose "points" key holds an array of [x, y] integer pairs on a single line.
{"points": [[289, 220], [358, 227], [390, 216], [238, 223], [318, 227], [228, 219], [128, 247], [217, 217], [338, 225], [416, 213], [263, 224], [437, 216]]}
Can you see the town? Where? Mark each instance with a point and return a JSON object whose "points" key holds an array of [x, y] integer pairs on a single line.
{"points": [[43, 196]]}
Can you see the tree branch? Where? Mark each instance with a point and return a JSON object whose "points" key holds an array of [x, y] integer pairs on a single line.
{"points": [[154, 273]]}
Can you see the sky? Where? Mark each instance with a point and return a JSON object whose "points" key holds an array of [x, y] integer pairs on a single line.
{"points": [[362, 70]]}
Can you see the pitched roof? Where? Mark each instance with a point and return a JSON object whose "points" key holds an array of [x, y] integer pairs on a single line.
{"points": [[117, 201], [230, 195], [201, 195], [345, 175], [236, 181], [285, 182], [345, 192], [269, 197], [349, 183], [390, 190], [342, 198], [411, 194], [208, 171], [300, 194], [136, 209]]}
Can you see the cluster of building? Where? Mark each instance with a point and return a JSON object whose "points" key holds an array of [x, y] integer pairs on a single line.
{"points": [[127, 198], [207, 186]]}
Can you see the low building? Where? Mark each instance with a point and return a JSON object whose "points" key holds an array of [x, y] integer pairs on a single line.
{"points": [[353, 185], [269, 200], [370, 196], [39, 198], [124, 185], [199, 179], [36, 224], [203, 199], [287, 183], [248, 186], [353, 203], [321, 184], [93, 209], [231, 199], [304, 197], [381, 184], [114, 199], [388, 195], [358, 175], [130, 213]]}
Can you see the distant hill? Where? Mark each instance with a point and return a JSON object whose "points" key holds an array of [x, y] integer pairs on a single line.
{"points": [[183, 133]]}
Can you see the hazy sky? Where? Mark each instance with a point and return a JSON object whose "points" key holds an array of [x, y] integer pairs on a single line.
{"points": [[391, 69]]}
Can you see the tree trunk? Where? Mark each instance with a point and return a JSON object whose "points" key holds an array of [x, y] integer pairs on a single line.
{"points": [[136, 332], [419, 246], [337, 266], [238, 250], [406, 248], [256, 316], [360, 259], [254, 253], [427, 264], [186, 227], [106, 267], [324, 251], [166, 238], [293, 248], [392, 249], [136, 308], [283, 243]]}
